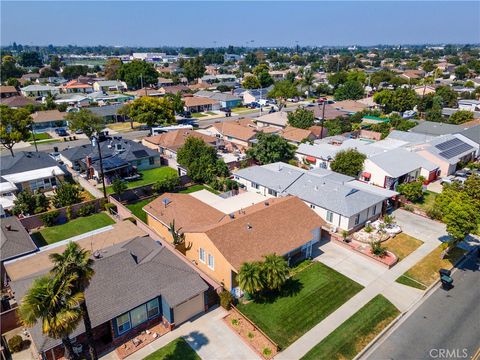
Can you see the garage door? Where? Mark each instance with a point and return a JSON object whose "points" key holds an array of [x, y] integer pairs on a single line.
{"points": [[188, 309]]}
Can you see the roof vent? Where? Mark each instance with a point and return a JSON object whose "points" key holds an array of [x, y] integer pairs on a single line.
{"points": [[266, 203], [165, 202], [232, 215], [249, 226], [316, 187], [97, 255]]}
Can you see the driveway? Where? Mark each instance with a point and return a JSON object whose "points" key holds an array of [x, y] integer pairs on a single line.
{"points": [[420, 227], [349, 263], [208, 335]]}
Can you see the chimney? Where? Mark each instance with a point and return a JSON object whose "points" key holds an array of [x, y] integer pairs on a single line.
{"points": [[8, 227], [249, 226]]}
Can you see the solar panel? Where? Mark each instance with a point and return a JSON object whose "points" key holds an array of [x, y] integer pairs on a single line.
{"points": [[455, 151], [140, 153], [449, 144]]}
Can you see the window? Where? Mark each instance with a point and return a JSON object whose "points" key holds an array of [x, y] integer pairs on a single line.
{"points": [[211, 261], [123, 323], [152, 308], [312, 206], [255, 185], [272, 192], [329, 216], [53, 181], [357, 219], [201, 255], [151, 160], [374, 209], [138, 315]]}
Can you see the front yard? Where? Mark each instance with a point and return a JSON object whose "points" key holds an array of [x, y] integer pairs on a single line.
{"points": [[148, 177], [427, 201], [176, 350], [346, 341], [72, 228], [307, 298], [402, 245], [425, 272]]}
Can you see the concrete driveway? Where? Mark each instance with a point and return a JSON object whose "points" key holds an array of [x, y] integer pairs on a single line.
{"points": [[208, 335], [420, 227], [349, 263]]}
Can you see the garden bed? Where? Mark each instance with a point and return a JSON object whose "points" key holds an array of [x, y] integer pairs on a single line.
{"points": [[250, 334]]}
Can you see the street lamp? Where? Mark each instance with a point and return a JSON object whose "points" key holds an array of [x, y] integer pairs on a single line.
{"points": [[34, 137], [95, 141]]}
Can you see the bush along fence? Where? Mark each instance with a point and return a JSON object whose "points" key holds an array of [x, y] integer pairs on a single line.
{"points": [[63, 215]]}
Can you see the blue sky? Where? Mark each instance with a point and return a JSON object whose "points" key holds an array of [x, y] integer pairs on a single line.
{"points": [[200, 23]]}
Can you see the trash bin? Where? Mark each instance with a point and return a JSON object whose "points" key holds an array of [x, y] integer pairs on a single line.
{"points": [[447, 282]]}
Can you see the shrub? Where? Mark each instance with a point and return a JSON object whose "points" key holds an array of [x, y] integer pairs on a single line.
{"points": [[434, 212], [119, 186], [86, 210], [378, 249], [267, 351], [413, 191], [408, 207], [69, 213], [226, 299], [15, 344], [66, 194], [250, 335], [109, 206], [368, 229], [234, 322], [345, 235], [49, 218], [388, 219]]}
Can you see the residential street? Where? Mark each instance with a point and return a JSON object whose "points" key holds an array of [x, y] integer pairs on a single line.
{"points": [[446, 321]]}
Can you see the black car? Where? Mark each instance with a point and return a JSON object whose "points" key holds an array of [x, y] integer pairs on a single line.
{"points": [[187, 114], [61, 132]]}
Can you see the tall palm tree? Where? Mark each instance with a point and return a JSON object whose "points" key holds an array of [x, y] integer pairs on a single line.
{"points": [[76, 262], [55, 303], [249, 277], [307, 80], [274, 271]]}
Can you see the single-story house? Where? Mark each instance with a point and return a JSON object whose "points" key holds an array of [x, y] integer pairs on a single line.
{"points": [[446, 152], [73, 99], [109, 85], [8, 91], [226, 100], [435, 128], [330, 194], [48, 119], [198, 104], [255, 95], [121, 158], [39, 90], [240, 132], [136, 285], [109, 113], [295, 135], [75, 86], [471, 136], [220, 243], [174, 89], [277, 119], [350, 106], [27, 171], [413, 74], [18, 101], [469, 105], [164, 82], [328, 112]]}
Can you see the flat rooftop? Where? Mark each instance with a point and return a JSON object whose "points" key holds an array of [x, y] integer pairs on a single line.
{"points": [[231, 204]]}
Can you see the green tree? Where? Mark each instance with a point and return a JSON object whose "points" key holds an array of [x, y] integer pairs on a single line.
{"points": [[401, 99], [119, 186], [13, 82], [48, 72], [76, 263], [428, 66], [151, 111], [14, 127], [168, 183], [251, 59], [283, 90], [301, 118], [461, 72], [435, 112], [136, 72], [28, 203], [274, 272], [337, 79], [460, 117], [55, 63], [307, 80], [193, 68], [461, 219], [66, 194], [176, 101], [348, 162], [448, 95], [9, 68], [351, 90], [30, 59], [270, 148], [249, 277], [264, 78], [112, 67], [413, 191], [54, 303], [251, 82], [338, 126], [86, 121], [74, 71]]}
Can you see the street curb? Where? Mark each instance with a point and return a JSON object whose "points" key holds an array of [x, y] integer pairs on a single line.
{"points": [[425, 295]]}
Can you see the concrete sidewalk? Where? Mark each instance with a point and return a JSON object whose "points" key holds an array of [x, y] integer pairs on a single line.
{"points": [[400, 295]]}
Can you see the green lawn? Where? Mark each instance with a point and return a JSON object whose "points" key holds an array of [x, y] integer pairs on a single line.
{"points": [[72, 228], [198, 115], [175, 350], [136, 208], [346, 341], [402, 245], [308, 298], [149, 177], [39, 136], [427, 201], [211, 113], [195, 188]]}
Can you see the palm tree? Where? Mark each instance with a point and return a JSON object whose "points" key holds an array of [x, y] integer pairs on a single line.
{"points": [[55, 303], [274, 271], [307, 80], [249, 277], [76, 262]]}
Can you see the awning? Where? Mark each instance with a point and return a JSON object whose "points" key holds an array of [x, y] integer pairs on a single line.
{"points": [[366, 175], [311, 159]]}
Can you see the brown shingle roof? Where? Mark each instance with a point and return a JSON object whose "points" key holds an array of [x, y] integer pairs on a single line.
{"points": [[174, 139], [18, 101], [236, 130], [7, 89], [295, 134], [48, 115], [198, 101]]}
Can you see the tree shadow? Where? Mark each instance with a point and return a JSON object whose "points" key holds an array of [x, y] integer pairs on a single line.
{"points": [[38, 239], [196, 340], [182, 351], [291, 288]]}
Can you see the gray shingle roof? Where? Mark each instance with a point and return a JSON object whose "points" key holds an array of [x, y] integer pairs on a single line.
{"points": [[472, 133], [25, 161], [410, 137], [398, 162], [435, 128], [107, 110], [127, 275], [14, 240], [277, 176]]}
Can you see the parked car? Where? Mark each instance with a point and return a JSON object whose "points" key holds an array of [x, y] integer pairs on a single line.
{"points": [[78, 131], [253, 105], [61, 132], [452, 179], [461, 173], [294, 100], [187, 114]]}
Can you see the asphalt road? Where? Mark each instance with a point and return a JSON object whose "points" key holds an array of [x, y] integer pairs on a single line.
{"points": [[445, 326]]}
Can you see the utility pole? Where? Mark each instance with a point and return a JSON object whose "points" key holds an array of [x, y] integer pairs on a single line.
{"points": [[323, 119], [34, 137], [97, 141]]}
